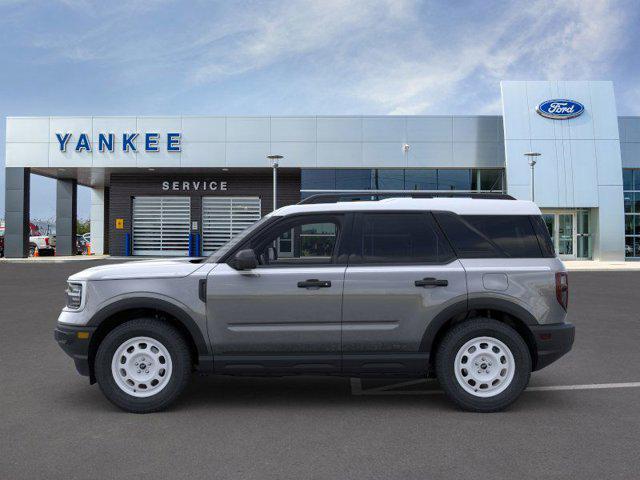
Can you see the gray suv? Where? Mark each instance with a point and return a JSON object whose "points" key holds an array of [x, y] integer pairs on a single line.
{"points": [[467, 290]]}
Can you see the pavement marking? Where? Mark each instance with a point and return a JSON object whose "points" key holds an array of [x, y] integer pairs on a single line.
{"points": [[391, 389], [587, 386]]}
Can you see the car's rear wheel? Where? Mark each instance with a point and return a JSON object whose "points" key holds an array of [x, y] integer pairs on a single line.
{"points": [[143, 365], [483, 365]]}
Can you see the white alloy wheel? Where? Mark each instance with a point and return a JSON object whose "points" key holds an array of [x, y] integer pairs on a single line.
{"points": [[141, 367], [484, 367]]}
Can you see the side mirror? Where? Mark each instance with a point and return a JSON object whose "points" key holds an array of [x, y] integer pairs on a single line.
{"points": [[245, 260]]}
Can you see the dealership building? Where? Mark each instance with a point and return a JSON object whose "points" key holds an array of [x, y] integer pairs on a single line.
{"points": [[179, 185]]}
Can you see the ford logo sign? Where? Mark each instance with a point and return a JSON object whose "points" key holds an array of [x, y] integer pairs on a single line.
{"points": [[560, 109]]}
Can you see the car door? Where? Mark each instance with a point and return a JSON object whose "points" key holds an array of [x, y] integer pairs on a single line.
{"points": [[402, 273], [285, 314]]}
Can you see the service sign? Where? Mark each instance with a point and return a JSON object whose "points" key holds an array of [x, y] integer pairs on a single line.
{"points": [[560, 109], [149, 141], [194, 186]]}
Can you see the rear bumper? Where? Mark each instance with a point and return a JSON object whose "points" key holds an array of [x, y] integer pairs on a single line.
{"points": [[74, 346], [552, 342]]}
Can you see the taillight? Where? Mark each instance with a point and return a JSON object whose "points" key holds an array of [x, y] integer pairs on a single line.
{"points": [[46, 241], [562, 289]]}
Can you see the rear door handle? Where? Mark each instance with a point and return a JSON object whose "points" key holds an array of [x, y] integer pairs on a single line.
{"points": [[431, 282], [314, 283]]}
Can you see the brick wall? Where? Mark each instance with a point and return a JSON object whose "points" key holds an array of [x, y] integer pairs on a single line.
{"points": [[253, 183]]}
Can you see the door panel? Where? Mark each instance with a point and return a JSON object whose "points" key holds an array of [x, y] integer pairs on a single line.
{"points": [[403, 273], [384, 311], [265, 312], [566, 234]]}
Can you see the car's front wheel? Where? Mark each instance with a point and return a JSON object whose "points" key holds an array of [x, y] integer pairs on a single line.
{"points": [[143, 365], [483, 365]]}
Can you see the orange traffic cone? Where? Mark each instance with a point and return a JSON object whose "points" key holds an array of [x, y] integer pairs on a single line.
{"points": [[36, 253], [88, 248]]}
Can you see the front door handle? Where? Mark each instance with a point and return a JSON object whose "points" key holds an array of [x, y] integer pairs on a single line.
{"points": [[314, 283], [431, 282]]}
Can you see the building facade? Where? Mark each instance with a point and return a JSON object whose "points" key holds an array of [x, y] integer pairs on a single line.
{"points": [[183, 185]]}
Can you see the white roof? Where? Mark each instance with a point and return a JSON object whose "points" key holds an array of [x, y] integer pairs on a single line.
{"points": [[462, 206]]}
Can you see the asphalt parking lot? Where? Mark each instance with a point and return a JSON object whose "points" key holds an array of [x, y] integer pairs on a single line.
{"points": [[54, 425]]}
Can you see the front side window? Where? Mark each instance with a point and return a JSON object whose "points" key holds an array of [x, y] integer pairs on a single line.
{"points": [[305, 241], [401, 238]]}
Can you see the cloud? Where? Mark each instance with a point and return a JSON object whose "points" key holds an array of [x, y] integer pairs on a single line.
{"points": [[290, 30], [390, 56], [540, 40]]}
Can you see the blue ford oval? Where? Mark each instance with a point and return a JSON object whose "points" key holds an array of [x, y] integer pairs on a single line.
{"points": [[560, 109]]}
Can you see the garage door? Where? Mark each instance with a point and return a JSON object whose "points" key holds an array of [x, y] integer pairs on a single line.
{"points": [[224, 217], [161, 225]]}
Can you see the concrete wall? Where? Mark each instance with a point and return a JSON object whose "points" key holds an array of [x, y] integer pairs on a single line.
{"points": [[580, 166], [629, 128], [16, 237], [339, 141]]}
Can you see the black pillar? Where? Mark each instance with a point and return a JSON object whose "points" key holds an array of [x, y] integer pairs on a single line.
{"points": [[16, 205], [107, 222], [66, 216]]}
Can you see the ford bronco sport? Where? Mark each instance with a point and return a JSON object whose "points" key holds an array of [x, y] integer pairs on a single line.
{"points": [[468, 290]]}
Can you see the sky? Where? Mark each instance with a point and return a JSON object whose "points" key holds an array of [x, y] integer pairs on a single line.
{"points": [[146, 57]]}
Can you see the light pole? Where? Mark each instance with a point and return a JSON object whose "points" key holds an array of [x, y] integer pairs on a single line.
{"points": [[274, 163], [532, 163]]}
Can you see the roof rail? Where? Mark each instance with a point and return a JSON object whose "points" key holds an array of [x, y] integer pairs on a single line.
{"points": [[375, 195]]}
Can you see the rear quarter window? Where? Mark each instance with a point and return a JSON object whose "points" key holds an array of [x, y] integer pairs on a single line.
{"points": [[491, 236]]}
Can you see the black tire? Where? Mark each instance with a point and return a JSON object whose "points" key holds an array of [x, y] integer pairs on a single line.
{"points": [[455, 339], [177, 348]]}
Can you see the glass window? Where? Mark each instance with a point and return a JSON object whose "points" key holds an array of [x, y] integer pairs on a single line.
{"points": [[513, 234], [454, 179], [627, 178], [402, 238], [543, 226], [387, 179], [304, 242], [317, 239], [317, 179], [489, 180], [629, 224], [426, 179], [628, 202], [467, 241], [636, 179], [353, 179], [486, 236], [629, 250]]}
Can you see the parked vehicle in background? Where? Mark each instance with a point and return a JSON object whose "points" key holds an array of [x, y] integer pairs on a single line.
{"points": [[45, 243], [468, 290], [81, 245]]}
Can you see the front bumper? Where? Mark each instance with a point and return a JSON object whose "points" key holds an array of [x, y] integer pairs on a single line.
{"points": [[552, 342], [75, 342]]}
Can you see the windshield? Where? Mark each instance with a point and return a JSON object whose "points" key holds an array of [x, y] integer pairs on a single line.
{"points": [[239, 238]]}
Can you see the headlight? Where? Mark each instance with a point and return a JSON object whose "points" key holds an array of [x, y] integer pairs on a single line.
{"points": [[74, 295]]}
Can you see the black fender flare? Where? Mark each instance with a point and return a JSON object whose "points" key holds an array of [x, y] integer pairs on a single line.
{"points": [[154, 303], [464, 307]]}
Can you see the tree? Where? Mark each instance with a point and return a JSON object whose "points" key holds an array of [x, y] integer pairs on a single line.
{"points": [[84, 226]]}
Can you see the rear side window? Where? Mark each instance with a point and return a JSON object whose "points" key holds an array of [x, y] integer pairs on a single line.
{"points": [[544, 239], [400, 238], [491, 236]]}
